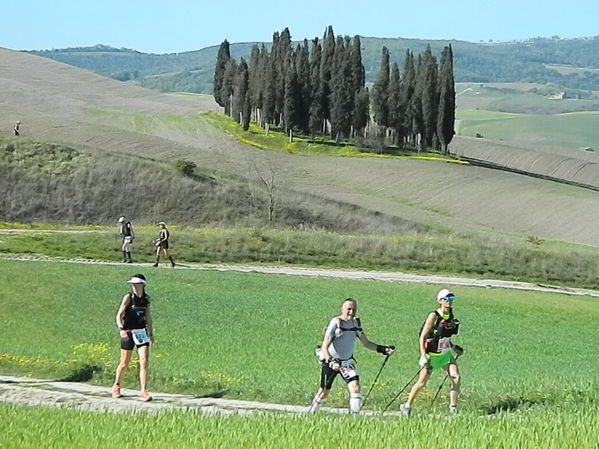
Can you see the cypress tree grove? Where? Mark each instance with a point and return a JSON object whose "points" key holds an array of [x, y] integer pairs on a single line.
{"points": [[321, 90]]}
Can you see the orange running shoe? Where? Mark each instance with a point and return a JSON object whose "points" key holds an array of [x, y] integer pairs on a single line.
{"points": [[145, 396], [116, 391]]}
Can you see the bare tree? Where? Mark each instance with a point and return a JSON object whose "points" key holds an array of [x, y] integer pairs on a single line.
{"points": [[267, 175]]}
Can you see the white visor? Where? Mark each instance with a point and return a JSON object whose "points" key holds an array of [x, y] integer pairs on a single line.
{"points": [[136, 280]]}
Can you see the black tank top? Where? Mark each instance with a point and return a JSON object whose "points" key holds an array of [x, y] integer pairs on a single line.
{"points": [[135, 313], [163, 235], [126, 229]]}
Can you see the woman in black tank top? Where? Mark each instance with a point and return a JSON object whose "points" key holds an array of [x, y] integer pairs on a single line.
{"points": [[162, 245], [134, 322]]}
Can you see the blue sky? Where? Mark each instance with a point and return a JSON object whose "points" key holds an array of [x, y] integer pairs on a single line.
{"points": [[162, 26]]}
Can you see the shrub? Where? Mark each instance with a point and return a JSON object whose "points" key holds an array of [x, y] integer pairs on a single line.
{"points": [[185, 168]]}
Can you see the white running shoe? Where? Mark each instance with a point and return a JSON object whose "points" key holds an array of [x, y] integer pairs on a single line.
{"points": [[453, 410], [405, 410]]}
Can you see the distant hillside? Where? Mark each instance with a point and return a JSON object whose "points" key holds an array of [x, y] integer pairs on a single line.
{"points": [[539, 60], [105, 119]]}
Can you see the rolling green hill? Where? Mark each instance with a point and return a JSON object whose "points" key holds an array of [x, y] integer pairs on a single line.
{"points": [[529, 129], [531, 61]]}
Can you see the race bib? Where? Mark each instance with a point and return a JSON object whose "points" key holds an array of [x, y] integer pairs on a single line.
{"points": [[444, 345], [348, 369], [140, 336]]}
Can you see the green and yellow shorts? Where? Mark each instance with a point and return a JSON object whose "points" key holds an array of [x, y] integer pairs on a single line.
{"points": [[438, 361]]}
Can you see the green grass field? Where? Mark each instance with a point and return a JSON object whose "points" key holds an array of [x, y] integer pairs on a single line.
{"points": [[24, 428], [571, 130], [59, 320], [526, 380]]}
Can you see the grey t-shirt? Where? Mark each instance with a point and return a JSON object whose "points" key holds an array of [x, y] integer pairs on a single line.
{"points": [[344, 337]]}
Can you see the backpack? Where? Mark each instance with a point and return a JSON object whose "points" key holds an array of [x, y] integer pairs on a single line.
{"points": [[441, 329], [318, 347]]}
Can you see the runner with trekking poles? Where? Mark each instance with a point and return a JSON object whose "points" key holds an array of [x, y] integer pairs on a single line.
{"points": [[335, 355], [437, 352]]}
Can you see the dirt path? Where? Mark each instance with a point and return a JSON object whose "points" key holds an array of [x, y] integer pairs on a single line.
{"points": [[356, 275], [92, 398]]}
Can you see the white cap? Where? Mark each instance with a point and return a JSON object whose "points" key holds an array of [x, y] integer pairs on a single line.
{"points": [[161, 223], [443, 294], [136, 280], [121, 219]]}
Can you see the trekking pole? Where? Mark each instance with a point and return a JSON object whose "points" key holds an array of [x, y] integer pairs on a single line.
{"points": [[376, 378], [402, 390], [439, 389]]}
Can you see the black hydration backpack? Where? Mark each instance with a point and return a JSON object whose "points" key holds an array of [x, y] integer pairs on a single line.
{"points": [[353, 329], [441, 329]]}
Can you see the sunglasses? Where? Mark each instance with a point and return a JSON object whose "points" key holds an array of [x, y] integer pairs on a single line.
{"points": [[448, 298]]}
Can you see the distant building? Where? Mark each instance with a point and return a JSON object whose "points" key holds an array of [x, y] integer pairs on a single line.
{"points": [[559, 96]]}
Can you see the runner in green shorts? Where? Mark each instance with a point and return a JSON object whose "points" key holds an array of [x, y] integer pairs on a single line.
{"points": [[437, 351]]}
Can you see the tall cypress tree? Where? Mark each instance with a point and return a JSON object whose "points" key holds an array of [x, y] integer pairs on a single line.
{"points": [[417, 125], [357, 68], [407, 101], [326, 63], [361, 110], [446, 115], [342, 91], [222, 58], [241, 101], [268, 92], [254, 70], [274, 76], [380, 91], [302, 67], [227, 87], [281, 55], [429, 98], [316, 103], [394, 103], [291, 101]]}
